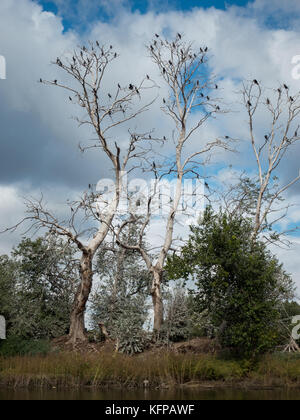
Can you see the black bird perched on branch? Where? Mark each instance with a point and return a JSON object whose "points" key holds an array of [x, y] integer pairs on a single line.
{"points": [[109, 95], [266, 137], [268, 101], [291, 99], [255, 82], [131, 86], [119, 86], [157, 36], [286, 87], [249, 103], [55, 82], [70, 98], [148, 77], [206, 49], [179, 35], [97, 43], [164, 71], [41, 80]]}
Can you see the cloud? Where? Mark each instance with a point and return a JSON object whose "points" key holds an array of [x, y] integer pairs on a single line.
{"points": [[38, 136]]}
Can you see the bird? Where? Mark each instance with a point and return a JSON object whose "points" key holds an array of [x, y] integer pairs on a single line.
{"points": [[285, 87], [164, 101], [41, 80], [179, 35], [164, 71], [164, 138], [279, 91], [70, 98], [206, 49], [55, 82], [291, 99], [206, 184], [268, 101], [109, 95], [170, 62], [137, 91], [157, 36], [148, 77], [130, 87], [201, 50], [154, 165], [217, 87], [111, 47], [227, 137], [249, 103], [296, 133], [218, 108], [97, 43], [255, 82], [119, 86], [150, 136], [115, 55], [266, 137], [208, 98]]}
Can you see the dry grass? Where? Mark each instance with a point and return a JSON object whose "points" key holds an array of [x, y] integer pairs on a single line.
{"points": [[68, 370]]}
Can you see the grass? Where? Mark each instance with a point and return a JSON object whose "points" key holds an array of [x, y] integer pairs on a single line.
{"points": [[72, 370]]}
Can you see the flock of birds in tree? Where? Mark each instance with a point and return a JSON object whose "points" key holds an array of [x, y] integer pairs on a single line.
{"points": [[133, 88]]}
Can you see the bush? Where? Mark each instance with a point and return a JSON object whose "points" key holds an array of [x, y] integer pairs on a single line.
{"points": [[17, 346]]}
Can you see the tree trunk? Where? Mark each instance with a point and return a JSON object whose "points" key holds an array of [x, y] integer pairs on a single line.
{"points": [[77, 327], [157, 302]]}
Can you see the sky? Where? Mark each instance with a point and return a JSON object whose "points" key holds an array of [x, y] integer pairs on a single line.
{"points": [[39, 137]]}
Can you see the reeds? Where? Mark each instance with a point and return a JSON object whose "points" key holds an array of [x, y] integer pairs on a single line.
{"points": [[72, 370]]}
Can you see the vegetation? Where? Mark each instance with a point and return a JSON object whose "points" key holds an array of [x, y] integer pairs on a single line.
{"points": [[238, 282], [160, 369]]}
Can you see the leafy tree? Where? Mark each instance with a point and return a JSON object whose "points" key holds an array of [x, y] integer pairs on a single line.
{"points": [[40, 279], [120, 302], [238, 282]]}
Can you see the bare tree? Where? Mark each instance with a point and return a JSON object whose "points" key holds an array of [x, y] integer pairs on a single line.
{"points": [[261, 195], [104, 112], [189, 106]]}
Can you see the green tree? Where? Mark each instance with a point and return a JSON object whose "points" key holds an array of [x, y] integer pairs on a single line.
{"points": [[40, 279], [238, 282], [119, 304]]}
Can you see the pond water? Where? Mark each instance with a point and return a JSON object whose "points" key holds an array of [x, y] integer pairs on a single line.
{"points": [[179, 394]]}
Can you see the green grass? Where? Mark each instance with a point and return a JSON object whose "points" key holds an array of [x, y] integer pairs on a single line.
{"points": [[104, 370]]}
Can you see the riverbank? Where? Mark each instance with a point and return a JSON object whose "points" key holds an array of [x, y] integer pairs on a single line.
{"points": [[163, 370]]}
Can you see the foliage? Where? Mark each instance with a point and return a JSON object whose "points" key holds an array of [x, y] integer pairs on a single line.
{"points": [[120, 302], [238, 282], [40, 278], [17, 346], [177, 325]]}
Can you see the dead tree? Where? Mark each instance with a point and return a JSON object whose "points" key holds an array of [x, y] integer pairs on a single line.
{"points": [[261, 195], [103, 111], [183, 71]]}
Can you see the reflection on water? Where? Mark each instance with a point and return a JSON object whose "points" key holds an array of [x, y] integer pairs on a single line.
{"points": [[179, 394]]}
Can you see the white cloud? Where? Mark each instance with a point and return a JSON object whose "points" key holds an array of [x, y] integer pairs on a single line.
{"points": [[39, 138]]}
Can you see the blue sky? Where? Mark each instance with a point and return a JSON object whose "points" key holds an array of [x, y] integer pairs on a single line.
{"points": [[103, 13], [38, 143]]}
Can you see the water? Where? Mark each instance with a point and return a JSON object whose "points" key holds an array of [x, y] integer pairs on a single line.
{"points": [[179, 394]]}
